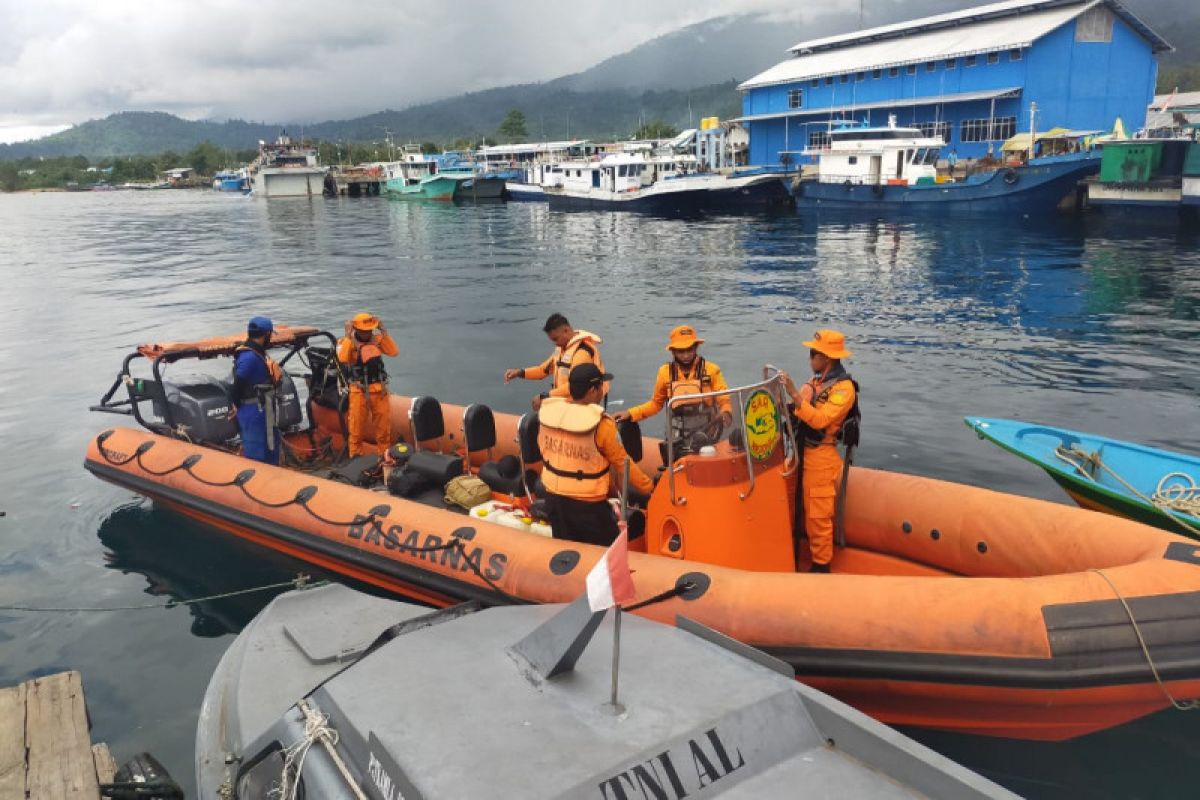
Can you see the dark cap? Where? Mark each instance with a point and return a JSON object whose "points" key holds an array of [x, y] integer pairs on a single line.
{"points": [[259, 325], [588, 375]]}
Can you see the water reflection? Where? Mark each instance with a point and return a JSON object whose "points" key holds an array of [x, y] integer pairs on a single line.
{"points": [[183, 561]]}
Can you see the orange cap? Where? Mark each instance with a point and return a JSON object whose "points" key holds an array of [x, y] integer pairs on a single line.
{"points": [[829, 343], [684, 337], [365, 322]]}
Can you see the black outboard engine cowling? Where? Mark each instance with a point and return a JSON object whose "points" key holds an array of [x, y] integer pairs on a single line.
{"points": [[324, 388], [199, 406], [289, 411]]}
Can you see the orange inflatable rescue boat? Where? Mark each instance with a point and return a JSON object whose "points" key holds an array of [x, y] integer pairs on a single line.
{"points": [[949, 606]]}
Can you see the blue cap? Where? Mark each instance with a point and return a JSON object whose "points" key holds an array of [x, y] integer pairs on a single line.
{"points": [[259, 325]]}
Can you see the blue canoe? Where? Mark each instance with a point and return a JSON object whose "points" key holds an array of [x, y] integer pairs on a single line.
{"points": [[1129, 480]]}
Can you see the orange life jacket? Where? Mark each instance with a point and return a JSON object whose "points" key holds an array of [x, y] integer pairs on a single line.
{"points": [[698, 382], [821, 390], [367, 366], [586, 341], [572, 464]]}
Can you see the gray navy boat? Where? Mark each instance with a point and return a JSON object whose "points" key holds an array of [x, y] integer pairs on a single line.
{"points": [[332, 693]]}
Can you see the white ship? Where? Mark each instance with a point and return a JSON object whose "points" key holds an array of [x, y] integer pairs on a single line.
{"points": [[286, 169]]}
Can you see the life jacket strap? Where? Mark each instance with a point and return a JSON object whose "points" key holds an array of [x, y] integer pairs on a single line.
{"points": [[578, 474]]}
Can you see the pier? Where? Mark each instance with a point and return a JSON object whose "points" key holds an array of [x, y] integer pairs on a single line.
{"points": [[46, 750]]}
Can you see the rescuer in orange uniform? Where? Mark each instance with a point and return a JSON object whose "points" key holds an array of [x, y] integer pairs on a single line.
{"points": [[686, 373], [571, 348], [822, 405], [362, 350], [580, 447]]}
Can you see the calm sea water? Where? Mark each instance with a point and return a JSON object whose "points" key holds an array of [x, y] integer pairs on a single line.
{"points": [[1070, 324]]}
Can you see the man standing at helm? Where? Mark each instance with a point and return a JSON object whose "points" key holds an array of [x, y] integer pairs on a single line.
{"points": [[362, 350], [822, 405], [256, 378], [686, 373], [571, 348], [580, 448]]}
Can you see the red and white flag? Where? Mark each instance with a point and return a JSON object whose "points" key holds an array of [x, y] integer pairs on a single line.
{"points": [[610, 582]]}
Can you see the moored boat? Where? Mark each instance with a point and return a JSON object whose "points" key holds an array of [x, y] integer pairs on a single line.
{"points": [[285, 168], [1157, 487], [312, 668], [892, 167], [417, 177], [950, 606], [634, 182]]}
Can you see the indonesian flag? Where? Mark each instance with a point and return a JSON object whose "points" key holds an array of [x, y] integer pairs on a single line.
{"points": [[610, 582]]}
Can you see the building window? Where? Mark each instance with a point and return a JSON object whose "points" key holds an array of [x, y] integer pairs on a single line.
{"points": [[860, 76], [876, 74], [993, 58], [977, 130], [969, 61], [932, 129], [829, 81], [1094, 25], [951, 63], [852, 159], [846, 78], [795, 98], [893, 72], [911, 69], [930, 66], [818, 139], [816, 81], [1014, 54]]}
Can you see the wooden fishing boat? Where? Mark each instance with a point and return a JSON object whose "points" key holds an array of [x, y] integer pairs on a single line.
{"points": [[950, 606], [1157, 487]]}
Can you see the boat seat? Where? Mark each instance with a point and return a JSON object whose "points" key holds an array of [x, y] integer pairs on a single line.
{"points": [[479, 433], [479, 430], [425, 419], [631, 438], [528, 428]]}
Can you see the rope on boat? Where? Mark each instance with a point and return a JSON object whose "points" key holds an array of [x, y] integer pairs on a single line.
{"points": [[316, 729], [301, 581], [1179, 705], [1182, 496], [301, 499]]}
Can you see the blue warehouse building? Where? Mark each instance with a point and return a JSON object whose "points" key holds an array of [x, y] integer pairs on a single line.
{"points": [[968, 76]]}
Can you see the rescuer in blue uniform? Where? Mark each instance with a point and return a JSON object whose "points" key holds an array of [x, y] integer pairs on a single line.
{"points": [[255, 378]]}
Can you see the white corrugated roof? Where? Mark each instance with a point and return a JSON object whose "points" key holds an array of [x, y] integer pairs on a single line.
{"points": [[998, 34], [971, 16], [902, 102]]}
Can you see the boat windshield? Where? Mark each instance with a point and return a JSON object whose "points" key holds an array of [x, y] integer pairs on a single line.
{"points": [[760, 431]]}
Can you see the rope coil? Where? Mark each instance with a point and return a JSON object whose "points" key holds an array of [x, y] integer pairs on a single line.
{"points": [[1182, 496]]}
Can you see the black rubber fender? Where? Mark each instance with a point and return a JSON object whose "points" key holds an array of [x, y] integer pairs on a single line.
{"points": [[1011, 176]]}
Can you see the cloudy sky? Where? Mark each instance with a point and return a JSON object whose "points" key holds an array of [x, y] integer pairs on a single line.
{"points": [[67, 61]]}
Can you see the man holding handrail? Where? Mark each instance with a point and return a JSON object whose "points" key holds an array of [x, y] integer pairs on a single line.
{"points": [[823, 405], [687, 373]]}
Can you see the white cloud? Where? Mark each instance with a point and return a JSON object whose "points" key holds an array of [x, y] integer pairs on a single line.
{"points": [[66, 61]]}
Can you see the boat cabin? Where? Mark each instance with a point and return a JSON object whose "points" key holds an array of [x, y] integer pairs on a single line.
{"points": [[620, 172], [877, 156], [413, 167]]}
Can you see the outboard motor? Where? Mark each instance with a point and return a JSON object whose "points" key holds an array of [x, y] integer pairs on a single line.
{"points": [[198, 405], [324, 388]]}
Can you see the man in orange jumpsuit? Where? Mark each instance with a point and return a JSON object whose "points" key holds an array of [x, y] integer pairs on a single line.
{"points": [[362, 350], [571, 348], [686, 373], [822, 405], [580, 449]]}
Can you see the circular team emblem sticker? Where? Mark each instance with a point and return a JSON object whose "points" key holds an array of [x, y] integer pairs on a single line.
{"points": [[762, 425]]}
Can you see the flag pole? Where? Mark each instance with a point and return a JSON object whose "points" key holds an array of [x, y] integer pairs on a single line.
{"points": [[617, 708]]}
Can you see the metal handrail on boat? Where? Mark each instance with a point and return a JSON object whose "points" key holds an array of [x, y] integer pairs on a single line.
{"points": [[773, 383]]}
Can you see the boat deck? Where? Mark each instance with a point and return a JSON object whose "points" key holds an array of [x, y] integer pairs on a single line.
{"points": [[46, 751]]}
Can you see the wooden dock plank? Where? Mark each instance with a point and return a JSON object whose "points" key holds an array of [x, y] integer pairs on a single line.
{"points": [[106, 765], [61, 765], [12, 743]]}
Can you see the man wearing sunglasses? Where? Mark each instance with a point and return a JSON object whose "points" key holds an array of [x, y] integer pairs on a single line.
{"points": [[823, 404], [687, 373]]}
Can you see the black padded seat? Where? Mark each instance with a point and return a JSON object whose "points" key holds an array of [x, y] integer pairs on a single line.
{"points": [[527, 437], [631, 439], [479, 429], [425, 418]]}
